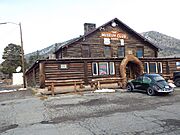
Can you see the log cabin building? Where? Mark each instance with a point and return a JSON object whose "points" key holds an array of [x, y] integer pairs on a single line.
{"points": [[111, 53]]}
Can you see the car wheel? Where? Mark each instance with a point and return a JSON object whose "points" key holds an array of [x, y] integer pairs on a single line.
{"points": [[129, 87], [177, 82], [150, 91]]}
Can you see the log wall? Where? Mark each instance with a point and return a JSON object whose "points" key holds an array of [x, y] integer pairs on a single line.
{"points": [[96, 45], [54, 74], [81, 69]]}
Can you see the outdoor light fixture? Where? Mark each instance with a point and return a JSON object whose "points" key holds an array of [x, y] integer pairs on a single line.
{"points": [[22, 51], [113, 24]]}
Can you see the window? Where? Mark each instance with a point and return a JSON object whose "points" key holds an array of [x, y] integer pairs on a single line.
{"points": [[95, 68], [139, 52], [178, 65], [107, 51], [146, 80], [153, 67], [139, 79], [121, 51], [159, 67], [146, 67], [85, 51], [103, 68], [112, 71]]}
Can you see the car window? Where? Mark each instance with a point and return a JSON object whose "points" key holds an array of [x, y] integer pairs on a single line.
{"points": [[158, 78], [139, 79], [146, 80]]}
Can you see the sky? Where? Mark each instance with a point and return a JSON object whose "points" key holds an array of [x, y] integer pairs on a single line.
{"points": [[46, 22]]}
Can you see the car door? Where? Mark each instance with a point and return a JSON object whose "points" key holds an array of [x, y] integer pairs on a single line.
{"points": [[138, 82], [145, 83]]}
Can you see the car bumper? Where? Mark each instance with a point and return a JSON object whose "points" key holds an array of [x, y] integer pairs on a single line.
{"points": [[166, 91]]}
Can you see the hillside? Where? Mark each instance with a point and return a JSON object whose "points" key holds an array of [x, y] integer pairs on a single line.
{"points": [[170, 46], [44, 53]]}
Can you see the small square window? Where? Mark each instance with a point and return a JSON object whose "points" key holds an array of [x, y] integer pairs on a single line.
{"points": [[139, 52]]}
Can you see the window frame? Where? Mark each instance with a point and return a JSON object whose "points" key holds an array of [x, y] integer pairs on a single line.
{"points": [[140, 47], [161, 68], [110, 51], [155, 67], [123, 52], [147, 67], [97, 69], [107, 68], [113, 68]]}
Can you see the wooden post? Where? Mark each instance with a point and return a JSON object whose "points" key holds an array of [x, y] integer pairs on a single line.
{"points": [[86, 72], [75, 89], [167, 67], [42, 75], [34, 77], [52, 89], [99, 85]]}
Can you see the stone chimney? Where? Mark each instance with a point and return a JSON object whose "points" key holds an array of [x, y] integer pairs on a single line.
{"points": [[88, 27]]}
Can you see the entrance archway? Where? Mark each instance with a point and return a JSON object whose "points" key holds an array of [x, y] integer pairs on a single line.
{"points": [[130, 68]]}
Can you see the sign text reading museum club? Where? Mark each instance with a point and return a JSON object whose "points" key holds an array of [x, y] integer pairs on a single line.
{"points": [[113, 35]]}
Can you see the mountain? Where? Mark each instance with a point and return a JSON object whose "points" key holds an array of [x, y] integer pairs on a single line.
{"points": [[170, 46], [44, 53]]}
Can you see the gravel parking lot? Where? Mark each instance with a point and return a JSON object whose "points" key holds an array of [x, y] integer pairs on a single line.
{"points": [[120, 113]]}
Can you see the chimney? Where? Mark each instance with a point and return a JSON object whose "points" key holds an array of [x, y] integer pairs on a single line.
{"points": [[88, 27]]}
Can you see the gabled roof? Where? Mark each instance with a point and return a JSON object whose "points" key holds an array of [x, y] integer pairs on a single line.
{"points": [[120, 23]]}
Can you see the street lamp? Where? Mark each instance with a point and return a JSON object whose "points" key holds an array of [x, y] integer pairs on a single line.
{"points": [[22, 51]]}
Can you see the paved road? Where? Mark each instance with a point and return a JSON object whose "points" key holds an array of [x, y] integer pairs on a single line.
{"points": [[92, 114]]}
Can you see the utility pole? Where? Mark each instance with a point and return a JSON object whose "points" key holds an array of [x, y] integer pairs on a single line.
{"points": [[22, 51]]}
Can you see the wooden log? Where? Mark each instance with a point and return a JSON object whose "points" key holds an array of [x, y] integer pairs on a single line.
{"points": [[75, 89], [52, 89], [86, 72], [42, 75], [34, 77]]}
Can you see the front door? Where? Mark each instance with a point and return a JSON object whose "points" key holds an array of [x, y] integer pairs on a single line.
{"points": [[130, 70]]}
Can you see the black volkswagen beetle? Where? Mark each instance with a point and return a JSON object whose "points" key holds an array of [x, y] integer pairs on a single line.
{"points": [[150, 83]]}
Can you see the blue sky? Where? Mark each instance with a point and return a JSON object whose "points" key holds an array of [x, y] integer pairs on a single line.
{"points": [[45, 22]]}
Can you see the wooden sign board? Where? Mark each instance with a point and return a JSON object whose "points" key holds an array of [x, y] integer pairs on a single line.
{"points": [[113, 35]]}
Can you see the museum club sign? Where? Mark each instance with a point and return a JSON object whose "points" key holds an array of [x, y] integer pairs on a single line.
{"points": [[113, 35]]}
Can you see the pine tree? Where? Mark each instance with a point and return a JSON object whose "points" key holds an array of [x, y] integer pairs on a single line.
{"points": [[12, 59]]}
